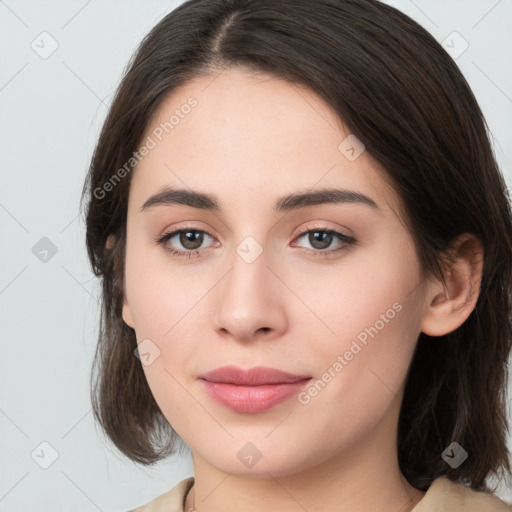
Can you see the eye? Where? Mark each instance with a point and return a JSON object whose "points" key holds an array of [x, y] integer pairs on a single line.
{"points": [[189, 238], [321, 239]]}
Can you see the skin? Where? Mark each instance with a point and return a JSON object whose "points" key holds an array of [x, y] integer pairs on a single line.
{"points": [[251, 139]]}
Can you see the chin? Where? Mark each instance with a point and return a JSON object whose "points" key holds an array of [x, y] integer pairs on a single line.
{"points": [[254, 460]]}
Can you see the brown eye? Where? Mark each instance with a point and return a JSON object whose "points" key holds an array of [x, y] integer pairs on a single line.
{"points": [[320, 239], [188, 241], [191, 240]]}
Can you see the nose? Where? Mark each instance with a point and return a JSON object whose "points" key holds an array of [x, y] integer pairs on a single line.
{"points": [[250, 302]]}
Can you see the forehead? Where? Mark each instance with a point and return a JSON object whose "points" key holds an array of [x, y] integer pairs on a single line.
{"points": [[245, 136]]}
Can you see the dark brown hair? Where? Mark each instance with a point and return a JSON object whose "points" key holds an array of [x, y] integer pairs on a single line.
{"points": [[394, 86]]}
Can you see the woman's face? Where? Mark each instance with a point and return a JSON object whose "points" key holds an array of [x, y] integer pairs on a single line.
{"points": [[263, 285]]}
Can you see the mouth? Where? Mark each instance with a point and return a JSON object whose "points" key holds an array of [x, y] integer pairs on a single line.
{"points": [[255, 390]]}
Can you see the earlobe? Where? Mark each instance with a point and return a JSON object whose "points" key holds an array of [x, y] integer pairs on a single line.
{"points": [[447, 308], [127, 314]]}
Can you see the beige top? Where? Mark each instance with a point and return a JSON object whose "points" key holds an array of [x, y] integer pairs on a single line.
{"points": [[443, 495]]}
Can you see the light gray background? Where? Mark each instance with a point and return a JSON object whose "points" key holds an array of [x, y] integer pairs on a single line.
{"points": [[51, 112]]}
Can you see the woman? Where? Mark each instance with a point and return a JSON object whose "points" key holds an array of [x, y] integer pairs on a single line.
{"points": [[305, 245]]}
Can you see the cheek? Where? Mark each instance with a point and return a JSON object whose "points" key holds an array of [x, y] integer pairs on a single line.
{"points": [[372, 319], [365, 299], [156, 292], [167, 303]]}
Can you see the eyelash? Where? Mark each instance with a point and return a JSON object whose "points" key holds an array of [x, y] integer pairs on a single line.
{"points": [[348, 240]]}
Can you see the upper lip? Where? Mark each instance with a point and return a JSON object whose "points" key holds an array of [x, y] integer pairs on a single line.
{"points": [[257, 376]]}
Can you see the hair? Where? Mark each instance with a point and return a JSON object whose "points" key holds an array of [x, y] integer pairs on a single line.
{"points": [[395, 87]]}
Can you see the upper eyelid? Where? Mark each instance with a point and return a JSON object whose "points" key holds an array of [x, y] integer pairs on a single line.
{"points": [[301, 231], [308, 227]]}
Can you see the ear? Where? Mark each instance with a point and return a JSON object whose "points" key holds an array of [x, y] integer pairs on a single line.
{"points": [[111, 240], [446, 309], [127, 315]]}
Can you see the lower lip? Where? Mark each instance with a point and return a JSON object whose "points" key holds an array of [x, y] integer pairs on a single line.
{"points": [[252, 398]]}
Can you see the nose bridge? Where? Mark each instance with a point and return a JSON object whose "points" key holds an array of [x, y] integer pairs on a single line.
{"points": [[248, 279], [248, 299]]}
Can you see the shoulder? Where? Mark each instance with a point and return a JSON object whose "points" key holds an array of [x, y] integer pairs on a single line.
{"points": [[170, 501], [444, 495]]}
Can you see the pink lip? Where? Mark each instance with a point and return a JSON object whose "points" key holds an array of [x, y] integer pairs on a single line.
{"points": [[253, 390]]}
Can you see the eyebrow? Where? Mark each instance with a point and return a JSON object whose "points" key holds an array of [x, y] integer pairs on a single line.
{"points": [[209, 202]]}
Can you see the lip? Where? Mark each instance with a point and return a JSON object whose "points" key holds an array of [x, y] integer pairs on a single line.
{"points": [[254, 390], [257, 376]]}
